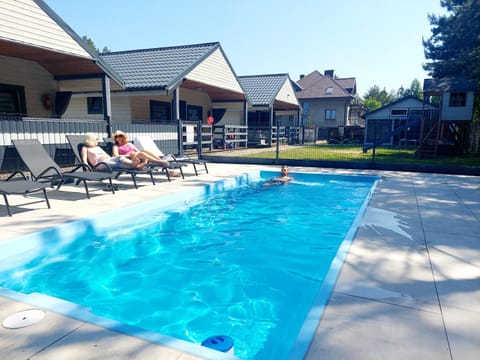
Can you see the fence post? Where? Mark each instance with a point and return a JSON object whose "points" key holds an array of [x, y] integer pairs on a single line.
{"points": [[199, 139], [374, 141], [278, 145], [180, 136]]}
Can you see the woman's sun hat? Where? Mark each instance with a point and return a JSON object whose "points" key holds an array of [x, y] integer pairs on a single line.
{"points": [[118, 133]]}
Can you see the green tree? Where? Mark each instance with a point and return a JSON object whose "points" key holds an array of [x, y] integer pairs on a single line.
{"points": [[454, 50], [90, 43], [382, 96], [454, 47], [372, 104], [415, 89]]}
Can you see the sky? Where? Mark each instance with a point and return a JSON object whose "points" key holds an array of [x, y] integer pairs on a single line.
{"points": [[379, 42]]}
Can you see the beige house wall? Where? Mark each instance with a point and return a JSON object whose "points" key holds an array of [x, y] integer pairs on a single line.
{"points": [[23, 21], [86, 85], [287, 94], [35, 79], [215, 71]]}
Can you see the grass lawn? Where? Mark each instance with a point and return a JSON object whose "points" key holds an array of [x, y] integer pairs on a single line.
{"points": [[354, 153]]}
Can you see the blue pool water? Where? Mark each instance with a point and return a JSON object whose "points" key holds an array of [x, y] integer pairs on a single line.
{"points": [[246, 262]]}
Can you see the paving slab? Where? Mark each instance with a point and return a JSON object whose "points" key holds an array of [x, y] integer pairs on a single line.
{"points": [[409, 288]]}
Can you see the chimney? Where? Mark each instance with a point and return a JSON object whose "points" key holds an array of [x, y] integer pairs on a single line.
{"points": [[329, 73], [302, 76]]}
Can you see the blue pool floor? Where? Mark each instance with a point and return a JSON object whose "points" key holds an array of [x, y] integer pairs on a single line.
{"points": [[409, 287]]}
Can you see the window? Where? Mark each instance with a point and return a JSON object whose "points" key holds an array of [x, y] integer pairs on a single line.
{"points": [[12, 99], [329, 90], [194, 113], [160, 111], [458, 99], [399, 112], [306, 108], [94, 105], [330, 114]]}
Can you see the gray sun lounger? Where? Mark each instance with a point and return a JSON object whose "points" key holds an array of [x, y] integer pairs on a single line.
{"points": [[45, 170], [76, 143], [146, 143], [21, 186], [173, 165]]}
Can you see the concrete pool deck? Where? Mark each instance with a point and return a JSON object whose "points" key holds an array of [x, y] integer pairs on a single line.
{"points": [[409, 288]]}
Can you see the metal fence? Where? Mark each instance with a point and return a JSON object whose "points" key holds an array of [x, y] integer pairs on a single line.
{"points": [[346, 148], [308, 146]]}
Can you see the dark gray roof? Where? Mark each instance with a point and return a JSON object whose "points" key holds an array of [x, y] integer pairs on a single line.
{"points": [[158, 68], [261, 90], [436, 86]]}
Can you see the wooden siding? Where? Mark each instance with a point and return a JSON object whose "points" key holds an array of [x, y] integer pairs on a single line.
{"points": [[216, 71], [23, 21], [457, 113], [287, 94], [34, 78], [85, 85]]}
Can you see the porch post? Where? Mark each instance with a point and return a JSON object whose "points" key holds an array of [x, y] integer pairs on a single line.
{"points": [[176, 117], [107, 103], [245, 112], [271, 126]]}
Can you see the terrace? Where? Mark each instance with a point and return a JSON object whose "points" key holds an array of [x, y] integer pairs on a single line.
{"points": [[408, 288]]}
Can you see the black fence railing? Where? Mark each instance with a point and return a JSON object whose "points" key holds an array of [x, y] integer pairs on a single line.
{"points": [[312, 146]]}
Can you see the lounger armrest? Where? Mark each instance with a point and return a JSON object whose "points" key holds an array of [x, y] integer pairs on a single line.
{"points": [[42, 174], [18, 172], [84, 167], [102, 166]]}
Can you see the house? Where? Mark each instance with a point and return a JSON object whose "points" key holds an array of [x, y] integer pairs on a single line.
{"points": [[42, 63], [399, 122], [272, 102], [456, 98], [164, 85], [169, 83], [329, 103]]}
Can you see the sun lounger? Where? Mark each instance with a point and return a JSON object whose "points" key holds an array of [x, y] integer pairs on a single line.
{"points": [[170, 167], [45, 170], [22, 186], [146, 143], [76, 143]]}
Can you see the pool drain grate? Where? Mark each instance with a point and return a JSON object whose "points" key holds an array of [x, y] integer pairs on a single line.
{"points": [[23, 319]]}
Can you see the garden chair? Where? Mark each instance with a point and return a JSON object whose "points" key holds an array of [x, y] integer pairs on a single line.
{"points": [[76, 143], [22, 186], [146, 143], [44, 169]]}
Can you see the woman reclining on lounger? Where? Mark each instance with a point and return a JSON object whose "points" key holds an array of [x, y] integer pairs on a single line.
{"points": [[123, 147], [93, 155]]}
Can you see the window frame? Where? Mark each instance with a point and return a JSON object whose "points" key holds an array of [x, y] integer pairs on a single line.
{"points": [[167, 110], [330, 114], [197, 110], [94, 105], [16, 92], [457, 99]]}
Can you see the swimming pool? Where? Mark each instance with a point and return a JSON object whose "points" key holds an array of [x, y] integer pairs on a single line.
{"points": [[240, 258]]}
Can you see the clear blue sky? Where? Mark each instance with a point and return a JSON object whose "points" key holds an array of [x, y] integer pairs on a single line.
{"points": [[377, 41]]}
